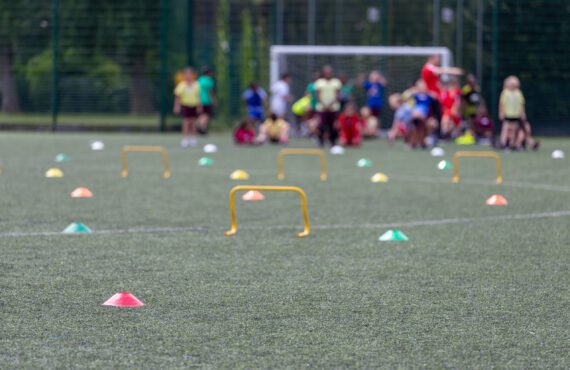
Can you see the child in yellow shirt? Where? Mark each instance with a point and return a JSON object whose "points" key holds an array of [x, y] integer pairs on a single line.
{"points": [[275, 130], [516, 129], [187, 104]]}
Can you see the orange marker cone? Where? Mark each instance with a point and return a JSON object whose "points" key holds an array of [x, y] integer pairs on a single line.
{"points": [[123, 299], [497, 200], [253, 195], [81, 193]]}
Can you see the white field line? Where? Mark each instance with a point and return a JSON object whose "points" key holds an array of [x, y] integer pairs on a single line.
{"points": [[445, 221]]}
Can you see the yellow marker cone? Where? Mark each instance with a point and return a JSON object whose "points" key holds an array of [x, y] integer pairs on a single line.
{"points": [[253, 195], [239, 175], [54, 173], [379, 177]]}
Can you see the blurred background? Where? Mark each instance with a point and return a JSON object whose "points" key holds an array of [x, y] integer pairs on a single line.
{"points": [[106, 64]]}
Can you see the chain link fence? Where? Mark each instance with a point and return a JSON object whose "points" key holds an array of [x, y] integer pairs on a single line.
{"points": [[108, 64]]}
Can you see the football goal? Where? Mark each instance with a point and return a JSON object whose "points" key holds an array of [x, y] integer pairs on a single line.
{"points": [[401, 65]]}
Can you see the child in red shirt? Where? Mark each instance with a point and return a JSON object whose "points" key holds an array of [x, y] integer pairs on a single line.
{"points": [[450, 99], [245, 133], [350, 126]]}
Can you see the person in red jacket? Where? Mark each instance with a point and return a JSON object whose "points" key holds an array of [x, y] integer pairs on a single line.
{"points": [[351, 125]]}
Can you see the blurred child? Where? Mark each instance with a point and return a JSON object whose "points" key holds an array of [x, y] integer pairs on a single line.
{"points": [[450, 100], [483, 127], [402, 117], [512, 113], [423, 101], [255, 99], [207, 99], [371, 123], [525, 138], [374, 87], [187, 103], [275, 130], [245, 133], [471, 100], [350, 126]]}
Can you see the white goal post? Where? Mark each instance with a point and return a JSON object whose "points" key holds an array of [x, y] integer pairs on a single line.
{"points": [[279, 52]]}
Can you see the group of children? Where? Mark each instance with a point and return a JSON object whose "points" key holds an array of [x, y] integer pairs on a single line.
{"points": [[429, 110]]}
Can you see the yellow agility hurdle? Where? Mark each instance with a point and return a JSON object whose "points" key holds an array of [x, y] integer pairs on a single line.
{"points": [[466, 154], [158, 149], [294, 189], [285, 152]]}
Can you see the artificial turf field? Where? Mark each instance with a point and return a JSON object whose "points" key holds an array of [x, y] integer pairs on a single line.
{"points": [[475, 286]]}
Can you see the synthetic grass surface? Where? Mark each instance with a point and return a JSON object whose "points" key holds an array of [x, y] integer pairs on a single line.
{"points": [[476, 290]]}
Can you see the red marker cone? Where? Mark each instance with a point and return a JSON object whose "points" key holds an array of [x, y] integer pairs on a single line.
{"points": [[497, 200], [81, 193], [253, 195], [123, 299]]}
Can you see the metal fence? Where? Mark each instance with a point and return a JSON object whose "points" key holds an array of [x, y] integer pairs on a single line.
{"points": [[106, 63]]}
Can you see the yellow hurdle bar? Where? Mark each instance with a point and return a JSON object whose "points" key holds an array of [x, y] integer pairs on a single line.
{"points": [[129, 148], [286, 152], [294, 189], [466, 154]]}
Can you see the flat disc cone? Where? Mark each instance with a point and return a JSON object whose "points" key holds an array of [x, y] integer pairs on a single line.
{"points": [[205, 162], [444, 165], [497, 200], [81, 193], [123, 299], [364, 163], [393, 235], [77, 228], [239, 175], [54, 173], [379, 177], [253, 195], [62, 158]]}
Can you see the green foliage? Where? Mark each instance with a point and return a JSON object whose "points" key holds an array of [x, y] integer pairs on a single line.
{"points": [[221, 60], [100, 77], [248, 63]]}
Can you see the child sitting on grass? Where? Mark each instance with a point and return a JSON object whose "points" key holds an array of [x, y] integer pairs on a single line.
{"points": [[275, 130], [370, 129], [402, 117], [350, 126], [245, 133], [483, 127]]}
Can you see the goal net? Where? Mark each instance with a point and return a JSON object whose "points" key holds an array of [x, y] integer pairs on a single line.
{"points": [[400, 65]]}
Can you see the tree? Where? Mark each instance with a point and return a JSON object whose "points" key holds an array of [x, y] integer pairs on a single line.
{"points": [[20, 22]]}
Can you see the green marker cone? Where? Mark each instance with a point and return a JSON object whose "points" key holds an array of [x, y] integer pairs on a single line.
{"points": [[364, 162], [77, 228], [61, 157], [206, 162], [393, 236], [444, 165]]}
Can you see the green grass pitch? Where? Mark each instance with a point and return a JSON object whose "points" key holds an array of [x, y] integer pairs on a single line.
{"points": [[475, 286]]}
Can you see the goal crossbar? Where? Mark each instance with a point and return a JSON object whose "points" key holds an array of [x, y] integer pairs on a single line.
{"points": [[276, 51]]}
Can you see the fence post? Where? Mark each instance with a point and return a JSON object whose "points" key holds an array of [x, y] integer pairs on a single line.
{"points": [[436, 22], [384, 23], [163, 62], [479, 52], [55, 63], [459, 34], [495, 59], [190, 33]]}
